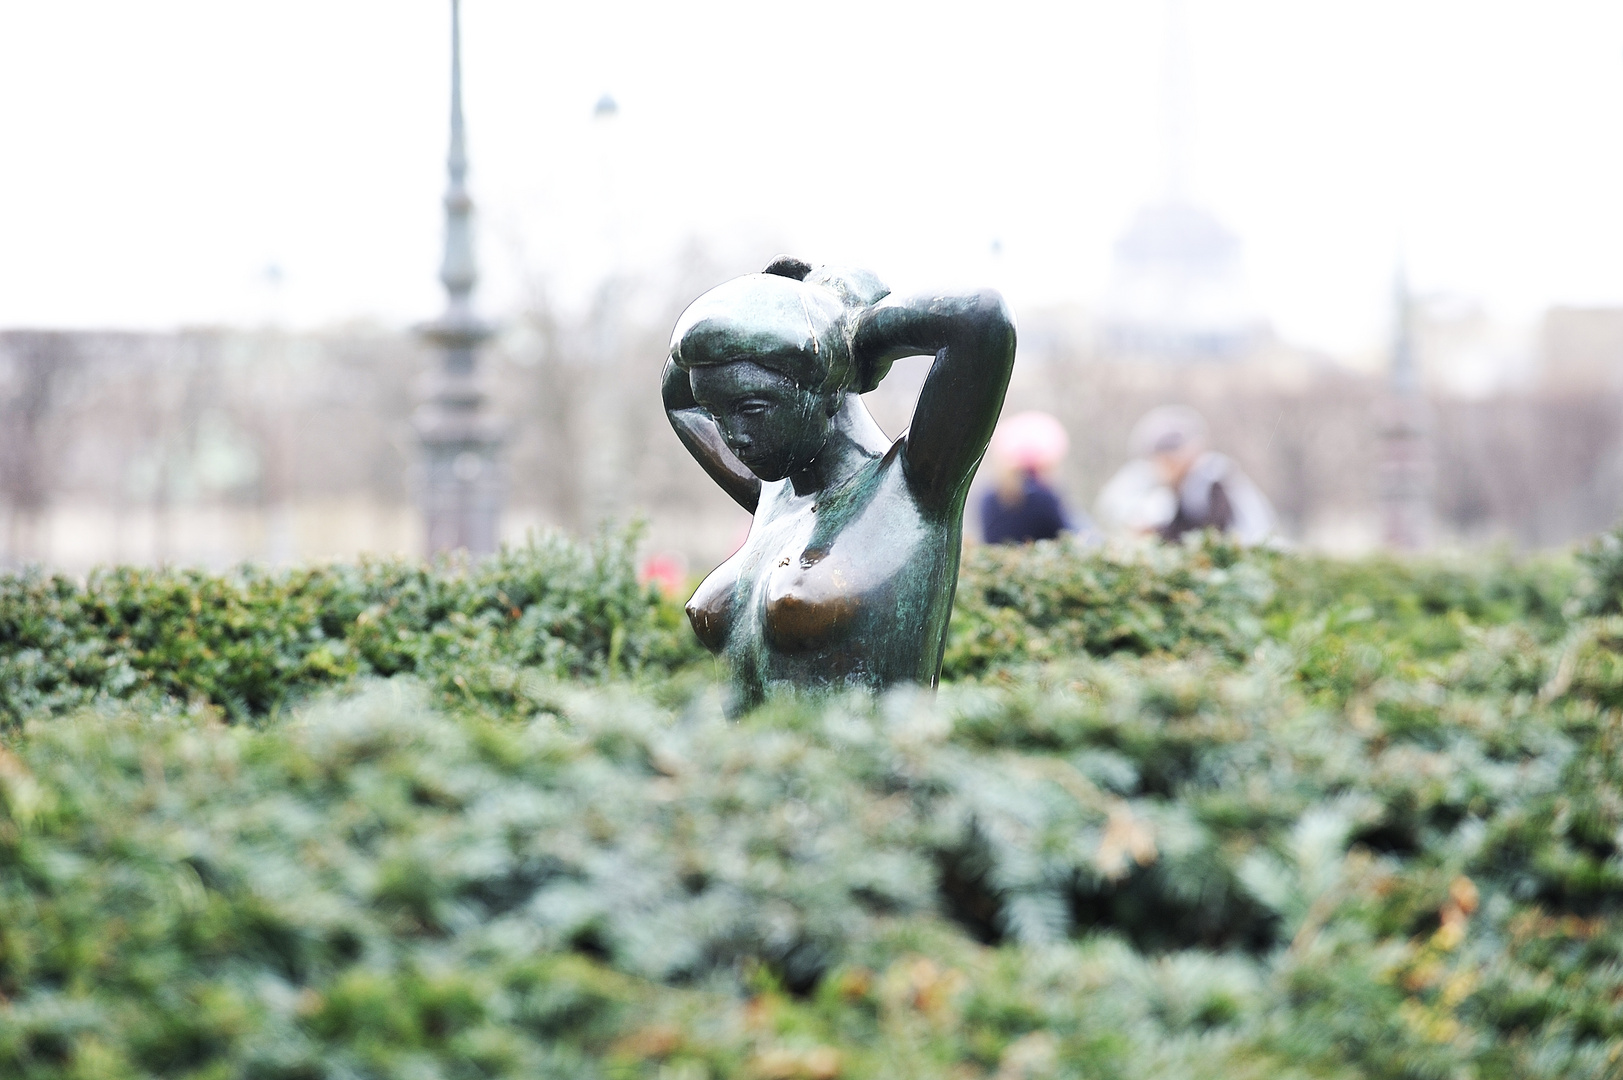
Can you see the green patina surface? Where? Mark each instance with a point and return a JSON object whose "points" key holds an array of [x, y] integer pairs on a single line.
{"points": [[846, 578]]}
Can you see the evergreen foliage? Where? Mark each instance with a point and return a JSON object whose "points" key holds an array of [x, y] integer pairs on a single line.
{"points": [[252, 641], [1016, 605], [1189, 812], [1602, 561]]}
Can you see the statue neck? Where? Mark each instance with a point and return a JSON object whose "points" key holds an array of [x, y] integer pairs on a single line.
{"points": [[854, 440]]}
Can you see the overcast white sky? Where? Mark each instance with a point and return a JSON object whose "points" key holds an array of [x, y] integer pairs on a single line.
{"points": [[157, 157]]}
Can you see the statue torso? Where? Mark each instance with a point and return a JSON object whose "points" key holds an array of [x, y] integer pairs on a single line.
{"points": [[852, 586]]}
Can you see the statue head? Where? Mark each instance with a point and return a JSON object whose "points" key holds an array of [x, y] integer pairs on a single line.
{"points": [[769, 356]]}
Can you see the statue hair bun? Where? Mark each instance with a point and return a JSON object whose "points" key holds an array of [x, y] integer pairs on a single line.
{"points": [[788, 266]]}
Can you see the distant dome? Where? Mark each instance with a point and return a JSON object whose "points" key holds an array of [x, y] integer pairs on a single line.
{"points": [[1177, 289], [1177, 234]]}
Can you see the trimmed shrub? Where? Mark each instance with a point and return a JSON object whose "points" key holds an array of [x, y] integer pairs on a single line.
{"points": [[1053, 599], [1289, 818], [250, 642]]}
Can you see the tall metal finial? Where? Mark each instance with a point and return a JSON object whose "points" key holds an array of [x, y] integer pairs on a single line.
{"points": [[1405, 466], [458, 272], [1405, 372], [462, 485]]}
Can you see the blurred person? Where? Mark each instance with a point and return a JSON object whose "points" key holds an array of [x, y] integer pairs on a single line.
{"points": [[1022, 505], [1176, 485]]}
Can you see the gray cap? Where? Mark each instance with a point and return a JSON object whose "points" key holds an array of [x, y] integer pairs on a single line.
{"points": [[1167, 428]]}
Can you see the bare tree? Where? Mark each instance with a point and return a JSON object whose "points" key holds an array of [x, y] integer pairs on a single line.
{"points": [[36, 366]]}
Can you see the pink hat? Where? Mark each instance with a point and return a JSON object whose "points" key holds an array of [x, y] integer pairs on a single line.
{"points": [[1030, 440]]}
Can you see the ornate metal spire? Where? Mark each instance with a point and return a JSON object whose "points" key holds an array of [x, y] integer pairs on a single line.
{"points": [[458, 271], [1404, 373], [1405, 467], [462, 485]]}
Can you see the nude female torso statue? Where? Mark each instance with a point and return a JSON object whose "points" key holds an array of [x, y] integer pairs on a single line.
{"points": [[847, 576]]}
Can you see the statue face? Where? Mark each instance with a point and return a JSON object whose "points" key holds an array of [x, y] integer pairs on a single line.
{"points": [[771, 424]]}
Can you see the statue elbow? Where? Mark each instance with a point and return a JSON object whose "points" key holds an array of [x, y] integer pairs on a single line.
{"points": [[994, 322]]}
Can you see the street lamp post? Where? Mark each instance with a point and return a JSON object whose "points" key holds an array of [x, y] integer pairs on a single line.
{"points": [[462, 482]]}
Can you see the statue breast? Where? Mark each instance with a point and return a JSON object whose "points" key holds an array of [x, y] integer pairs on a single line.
{"points": [[809, 602], [817, 575]]}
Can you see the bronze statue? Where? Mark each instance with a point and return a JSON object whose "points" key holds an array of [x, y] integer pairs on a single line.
{"points": [[848, 574]]}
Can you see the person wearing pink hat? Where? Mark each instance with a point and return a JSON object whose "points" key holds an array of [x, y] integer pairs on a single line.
{"points": [[1022, 505]]}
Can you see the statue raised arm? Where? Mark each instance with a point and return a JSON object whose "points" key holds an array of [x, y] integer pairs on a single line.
{"points": [[849, 569]]}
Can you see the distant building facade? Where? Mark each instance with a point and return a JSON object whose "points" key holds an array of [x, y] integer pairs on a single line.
{"points": [[1178, 289], [1581, 348]]}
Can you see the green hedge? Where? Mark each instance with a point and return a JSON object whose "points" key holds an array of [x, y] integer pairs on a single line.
{"points": [[251, 641], [1288, 818], [1017, 605]]}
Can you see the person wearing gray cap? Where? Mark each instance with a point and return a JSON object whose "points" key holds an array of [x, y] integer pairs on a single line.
{"points": [[1176, 485]]}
